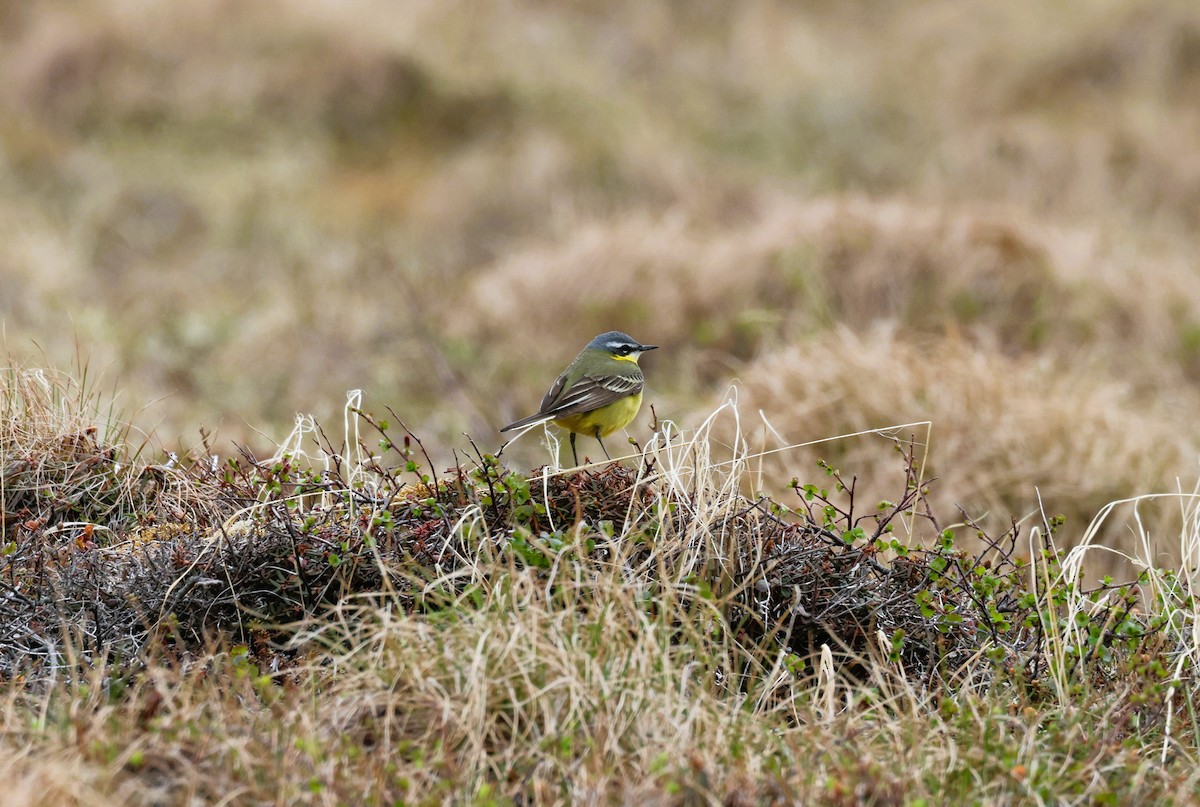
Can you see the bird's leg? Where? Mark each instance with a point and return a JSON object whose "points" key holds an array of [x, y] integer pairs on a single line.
{"points": [[601, 442], [573, 454]]}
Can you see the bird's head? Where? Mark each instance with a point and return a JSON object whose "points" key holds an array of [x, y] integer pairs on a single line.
{"points": [[620, 346]]}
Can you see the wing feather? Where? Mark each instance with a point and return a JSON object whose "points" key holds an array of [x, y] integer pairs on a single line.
{"points": [[590, 393], [586, 394], [551, 394]]}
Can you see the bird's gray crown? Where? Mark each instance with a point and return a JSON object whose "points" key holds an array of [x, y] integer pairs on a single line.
{"points": [[613, 340]]}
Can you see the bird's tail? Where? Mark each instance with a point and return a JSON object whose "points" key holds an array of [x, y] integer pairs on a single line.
{"points": [[532, 420]]}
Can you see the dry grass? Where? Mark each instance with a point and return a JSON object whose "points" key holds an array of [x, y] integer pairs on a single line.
{"points": [[1009, 436], [980, 216], [635, 634]]}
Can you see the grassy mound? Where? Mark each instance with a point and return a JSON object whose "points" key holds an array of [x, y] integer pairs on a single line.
{"points": [[346, 623]]}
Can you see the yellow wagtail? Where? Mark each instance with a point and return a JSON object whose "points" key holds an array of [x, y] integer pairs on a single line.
{"points": [[600, 392]]}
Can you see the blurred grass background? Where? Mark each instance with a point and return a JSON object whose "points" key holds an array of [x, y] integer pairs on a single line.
{"points": [[867, 213]]}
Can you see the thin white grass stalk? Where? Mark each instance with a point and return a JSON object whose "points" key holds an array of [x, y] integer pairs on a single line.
{"points": [[886, 431], [470, 519], [748, 455], [351, 436], [891, 432], [1067, 635], [778, 675], [293, 444], [345, 627], [358, 476], [768, 426], [1052, 639], [552, 444], [546, 496], [64, 526], [1189, 631], [827, 685], [1072, 565], [1182, 621], [708, 492], [887, 676], [305, 429], [690, 478]]}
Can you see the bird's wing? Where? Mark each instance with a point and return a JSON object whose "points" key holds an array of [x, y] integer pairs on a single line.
{"points": [[589, 393], [584, 395], [548, 400]]}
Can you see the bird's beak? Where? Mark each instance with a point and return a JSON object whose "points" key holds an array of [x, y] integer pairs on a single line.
{"points": [[644, 348]]}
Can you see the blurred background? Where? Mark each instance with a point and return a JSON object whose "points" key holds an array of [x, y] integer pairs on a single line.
{"points": [[864, 213]]}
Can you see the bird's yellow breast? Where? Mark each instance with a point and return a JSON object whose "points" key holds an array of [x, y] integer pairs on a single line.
{"points": [[605, 420]]}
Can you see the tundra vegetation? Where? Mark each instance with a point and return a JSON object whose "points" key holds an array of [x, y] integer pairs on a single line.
{"points": [[909, 514]]}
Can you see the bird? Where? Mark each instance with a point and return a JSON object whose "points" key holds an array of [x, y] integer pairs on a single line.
{"points": [[598, 393]]}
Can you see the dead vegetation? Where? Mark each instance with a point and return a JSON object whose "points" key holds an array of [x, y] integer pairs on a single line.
{"points": [[860, 215], [637, 631]]}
